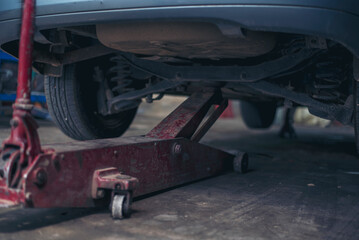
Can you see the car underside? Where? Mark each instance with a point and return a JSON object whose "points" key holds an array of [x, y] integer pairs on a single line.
{"points": [[98, 74]]}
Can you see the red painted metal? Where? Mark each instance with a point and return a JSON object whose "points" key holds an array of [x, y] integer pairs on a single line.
{"points": [[228, 113], [25, 52], [111, 179], [11, 197], [79, 174], [23, 142], [70, 169], [210, 121], [23, 145], [185, 119]]}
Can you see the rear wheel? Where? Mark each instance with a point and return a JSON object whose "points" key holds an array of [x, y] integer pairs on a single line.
{"points": [[258, 115], [72, 102]]}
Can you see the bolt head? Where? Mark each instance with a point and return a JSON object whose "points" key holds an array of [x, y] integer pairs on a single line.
{"points": [[177, 148], [57, 164], [41, 178], [28, 196], [100, 193]]}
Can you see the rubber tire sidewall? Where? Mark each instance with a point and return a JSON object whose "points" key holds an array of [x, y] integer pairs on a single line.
{"points": [[72, 104]]}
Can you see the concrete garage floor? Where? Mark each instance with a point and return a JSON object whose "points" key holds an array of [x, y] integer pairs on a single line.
{"points": [[307, 188]]}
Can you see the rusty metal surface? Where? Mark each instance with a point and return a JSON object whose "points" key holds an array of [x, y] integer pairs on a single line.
{"points": [[11, 197], [84, 174], [25, 52], [69, 174], [203, 129], [111, 179], [184, 121], [185, 39], [21, 148]]}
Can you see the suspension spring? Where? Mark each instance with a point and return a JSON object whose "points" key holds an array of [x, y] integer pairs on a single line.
{"points": [[328, 79], [121, 73]]}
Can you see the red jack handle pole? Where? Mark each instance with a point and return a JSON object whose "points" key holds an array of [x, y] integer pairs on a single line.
{"points": [[25, 56], [23, 146]]}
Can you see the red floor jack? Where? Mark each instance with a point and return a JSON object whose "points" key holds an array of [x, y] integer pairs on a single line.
{"points": [[107, 171]]}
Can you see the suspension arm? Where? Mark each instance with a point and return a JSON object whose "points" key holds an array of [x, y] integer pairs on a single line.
{"points": [[341, 113], [220, 73]]}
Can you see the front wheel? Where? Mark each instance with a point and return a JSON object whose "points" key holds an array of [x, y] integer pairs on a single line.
{"points": [[72, 103]]}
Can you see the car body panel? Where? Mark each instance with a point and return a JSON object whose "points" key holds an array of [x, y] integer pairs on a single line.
{"points": [[10, 9], [336, 20]]}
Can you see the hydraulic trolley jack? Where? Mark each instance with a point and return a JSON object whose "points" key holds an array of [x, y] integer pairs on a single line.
{"points": [[106, 171]]}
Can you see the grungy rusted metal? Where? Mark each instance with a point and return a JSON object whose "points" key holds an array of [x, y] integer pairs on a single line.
{"points": [[187, 39], [210, 121], [22, 147], [151, 161], [25, 52], [11, 197], [111, 179], [79, 174], [185, 119]]}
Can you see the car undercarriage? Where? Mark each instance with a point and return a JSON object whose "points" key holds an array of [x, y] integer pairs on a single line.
{"points": [[98, 74], [285, 68]]}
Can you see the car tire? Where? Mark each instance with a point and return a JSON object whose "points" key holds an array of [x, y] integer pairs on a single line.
{"points": [[258, 115], [72, 103]]}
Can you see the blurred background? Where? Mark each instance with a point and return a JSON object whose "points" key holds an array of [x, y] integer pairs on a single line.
{"points": [[8, 83]]}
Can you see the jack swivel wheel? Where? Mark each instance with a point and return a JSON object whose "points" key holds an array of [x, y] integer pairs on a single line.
{"points": [[121, 206], [240, 163]]}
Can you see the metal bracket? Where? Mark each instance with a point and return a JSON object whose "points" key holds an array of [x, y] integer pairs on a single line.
{"points": [[111, 179]]}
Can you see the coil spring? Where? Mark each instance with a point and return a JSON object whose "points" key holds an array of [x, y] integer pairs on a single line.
{"points": [[122, 75], [329, 76]]}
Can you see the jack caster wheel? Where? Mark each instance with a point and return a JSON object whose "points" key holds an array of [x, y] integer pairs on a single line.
{"points": [[240, 163], [120, 207]]}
